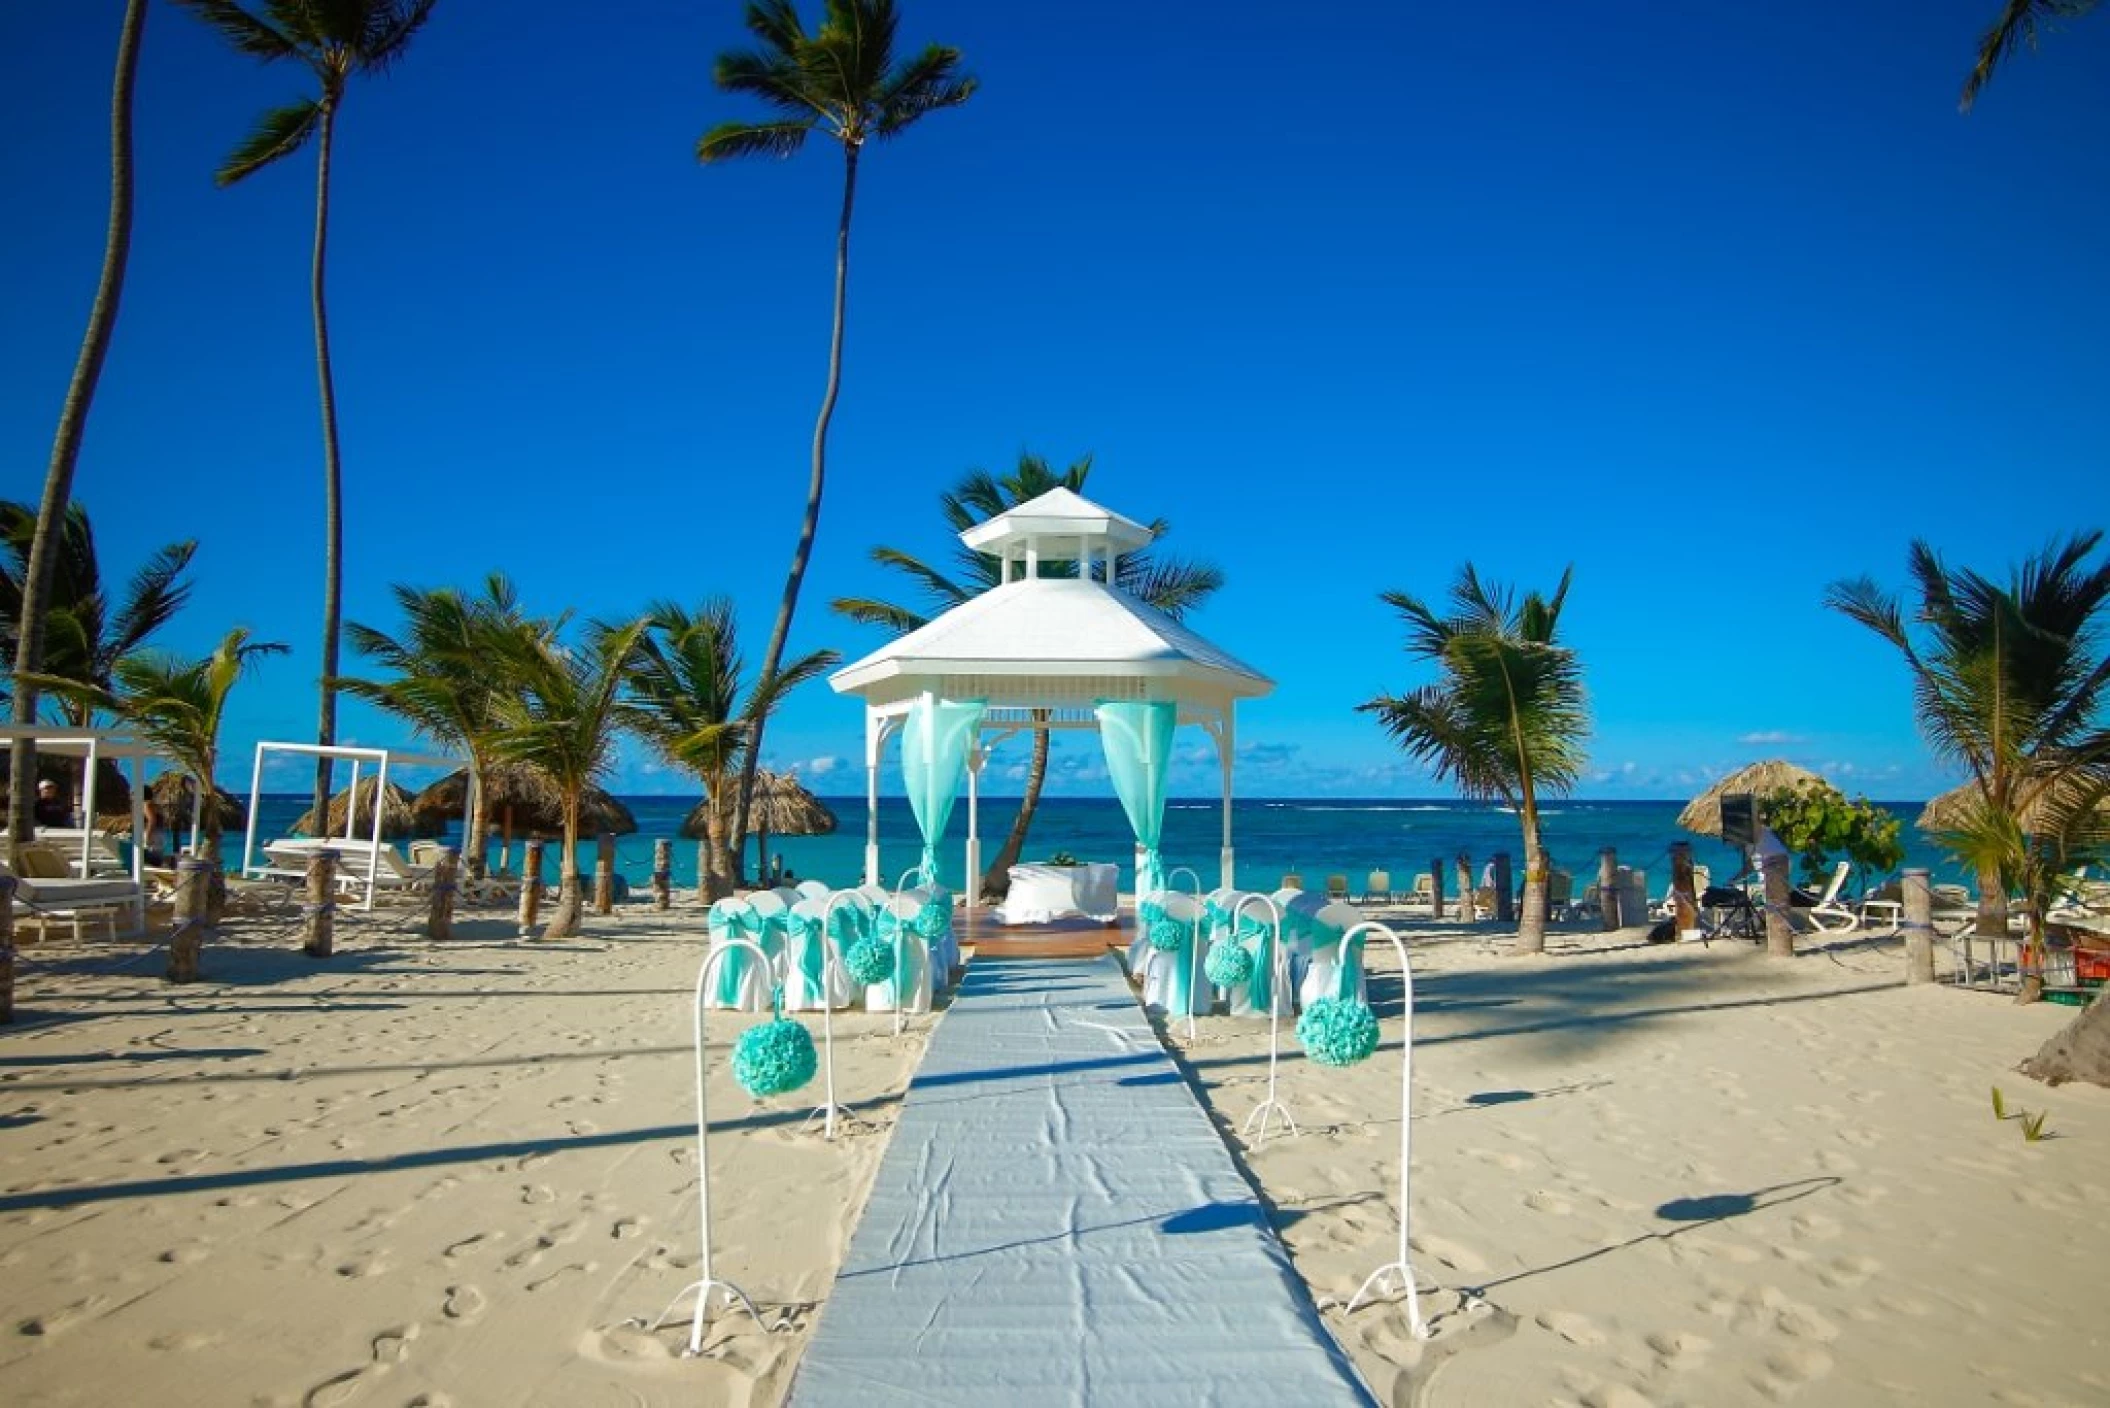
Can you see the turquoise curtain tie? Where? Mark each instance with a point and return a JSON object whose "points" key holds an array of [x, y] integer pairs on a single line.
{"points": [[936, 738]]}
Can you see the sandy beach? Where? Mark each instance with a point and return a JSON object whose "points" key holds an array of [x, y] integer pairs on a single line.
{"points": [[461, 1173]]}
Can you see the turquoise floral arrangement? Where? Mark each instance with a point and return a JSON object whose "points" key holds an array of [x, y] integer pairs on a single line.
{"points": [[1228, 965], [1338, 1031], [774, 1058], [870, 960], [1166, 935]]}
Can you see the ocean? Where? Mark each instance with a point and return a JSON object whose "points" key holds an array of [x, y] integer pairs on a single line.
{"points": [[1273, 837]]}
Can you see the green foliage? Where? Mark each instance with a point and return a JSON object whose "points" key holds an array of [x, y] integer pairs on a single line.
{"points": [[1062, 858], [1818, 823], [1999, 1104], [2033, 1125]]}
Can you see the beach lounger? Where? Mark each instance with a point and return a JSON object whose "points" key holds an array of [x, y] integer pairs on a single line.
{"points": [[1337, 888], [1830, 915], [1378, 888], [46, 893], [1424, 891]]}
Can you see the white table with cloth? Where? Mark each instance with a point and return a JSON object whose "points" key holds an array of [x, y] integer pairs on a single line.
{"points": [[1040, 894]]}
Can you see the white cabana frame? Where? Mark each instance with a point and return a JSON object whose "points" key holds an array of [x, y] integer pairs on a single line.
{"points": [[94, 744], [1043, 652], [382, 758]]}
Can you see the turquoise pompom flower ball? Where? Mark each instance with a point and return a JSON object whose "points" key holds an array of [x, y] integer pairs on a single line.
{"points": [[1228, 965], [870, 961], [773, 1058], [1338, 1031], [1166, 936]]}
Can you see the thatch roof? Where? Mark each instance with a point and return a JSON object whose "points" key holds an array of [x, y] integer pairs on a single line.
{"points": [[781, 807], [397, 817], [1953, 809], [172, 793], [113, 794], [1703, 814], [523, 802]]}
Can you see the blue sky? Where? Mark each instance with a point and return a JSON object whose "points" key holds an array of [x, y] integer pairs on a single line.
{"points": [[1717, 302]]}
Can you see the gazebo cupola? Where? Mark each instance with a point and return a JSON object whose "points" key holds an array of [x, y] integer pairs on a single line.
{"points": [[1057, 644]]}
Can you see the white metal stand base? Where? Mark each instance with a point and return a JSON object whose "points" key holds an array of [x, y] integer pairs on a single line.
{"points": [[733, 1296], [1264, 1114], [1376, 1286]]}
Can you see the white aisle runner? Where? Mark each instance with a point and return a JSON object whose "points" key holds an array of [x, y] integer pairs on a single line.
{"points": [[1056, 1222]]}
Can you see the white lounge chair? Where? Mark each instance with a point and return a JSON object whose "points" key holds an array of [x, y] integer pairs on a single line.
{"points": [[1378, 888], [47, 893], [1831, 915]]}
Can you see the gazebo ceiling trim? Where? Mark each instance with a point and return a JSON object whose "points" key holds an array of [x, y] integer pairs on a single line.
{"points": [[1059, 638]]}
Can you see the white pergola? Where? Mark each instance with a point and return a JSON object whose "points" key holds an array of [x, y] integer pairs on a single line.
{"points": [[94, 745], [1043, 652], [381, 758]]}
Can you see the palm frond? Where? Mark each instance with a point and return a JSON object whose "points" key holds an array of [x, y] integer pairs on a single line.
{"points": [[868, 612], [279, 133], [2017, 25], [730, 141], [247, 33]]}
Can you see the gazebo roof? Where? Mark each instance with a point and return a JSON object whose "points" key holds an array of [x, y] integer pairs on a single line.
{"points": [[1060, 521], [1054, 642]]}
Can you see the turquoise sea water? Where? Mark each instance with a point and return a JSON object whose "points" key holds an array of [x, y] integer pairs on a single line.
{"points": [[1272, 837]]}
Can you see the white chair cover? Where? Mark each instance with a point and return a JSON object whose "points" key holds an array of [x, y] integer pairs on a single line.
{"points": [[741, 983], [813, 889], [814, 971], [1174, 982], [910, 987], [1297, 907], [1324, 977]]}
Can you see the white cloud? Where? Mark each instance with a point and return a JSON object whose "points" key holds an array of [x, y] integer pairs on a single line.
{"points": [[821, 766], [1771, 738]]}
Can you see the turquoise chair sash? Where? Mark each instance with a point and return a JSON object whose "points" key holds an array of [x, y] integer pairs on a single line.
{"points": [[733, 922]]}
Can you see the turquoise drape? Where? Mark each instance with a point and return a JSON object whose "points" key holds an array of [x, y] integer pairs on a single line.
{"points": [[1138, 741], [934, 745]]}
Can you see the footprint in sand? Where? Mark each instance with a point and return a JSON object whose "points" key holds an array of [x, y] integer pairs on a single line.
{"points": [[1814, 1227], [1678, 1347], [389, 1348], [626, 1228], [537, 1193], [1548, 1203], [1575, 1329], [455, 1249], [463, 1303], [58, 1321], [1847, 1272]]}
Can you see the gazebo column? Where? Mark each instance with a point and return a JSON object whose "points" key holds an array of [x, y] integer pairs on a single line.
{"points": [[875, 736], [1225, 732], [973, 881]]}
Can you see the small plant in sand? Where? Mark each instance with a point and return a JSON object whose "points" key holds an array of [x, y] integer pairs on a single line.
{"points": [[1999, 1104], [2033, 1125]]}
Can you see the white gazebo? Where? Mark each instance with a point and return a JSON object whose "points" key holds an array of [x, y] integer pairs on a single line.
{"points": [[1047, 652]]}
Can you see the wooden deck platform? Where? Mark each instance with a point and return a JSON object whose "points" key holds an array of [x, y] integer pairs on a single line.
{"points": [[1067, 938]]}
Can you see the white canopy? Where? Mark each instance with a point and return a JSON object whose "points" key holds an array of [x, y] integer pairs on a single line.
{"points": [[1044, 651]]}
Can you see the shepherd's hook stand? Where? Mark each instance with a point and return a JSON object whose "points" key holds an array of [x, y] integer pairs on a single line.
{"points": [[707, 1284], [1278, 979], [1400, 1271], [831, 965]]}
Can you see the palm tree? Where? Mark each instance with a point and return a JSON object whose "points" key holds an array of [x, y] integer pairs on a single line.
{"points": [[557, 711], [443, 685], [2017, 25], [685, 700], [1173, 587], [843, 80], [1507, 719], [177, 704], [335, 41], [2008, 681], [29, 612], [83, 638]]}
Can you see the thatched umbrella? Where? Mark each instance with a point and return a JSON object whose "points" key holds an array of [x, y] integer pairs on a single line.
{"points": [[113, 794], [1954, 809], [1703, 814], [398, 819], [521, 801], [173, 794], [781, 807]]}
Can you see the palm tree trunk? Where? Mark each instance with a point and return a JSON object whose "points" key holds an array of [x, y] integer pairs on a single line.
{"points": [[996, 881], [476, 826], [564, 920], [332, 483], [717, 872], [73, 426], [781, 632], [1531, 924], [1992, 902]]}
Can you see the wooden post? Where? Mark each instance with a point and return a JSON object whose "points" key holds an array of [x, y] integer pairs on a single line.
{"points": [[1687, 904], [319, 914], [1780, 931], [1608, 915], [1436, 887], [1505, 901], [7, 949], [530, 884], [1919, 927], [439, 921], [1468, 902], [193, 900], [604, 875], [662, 874]]}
